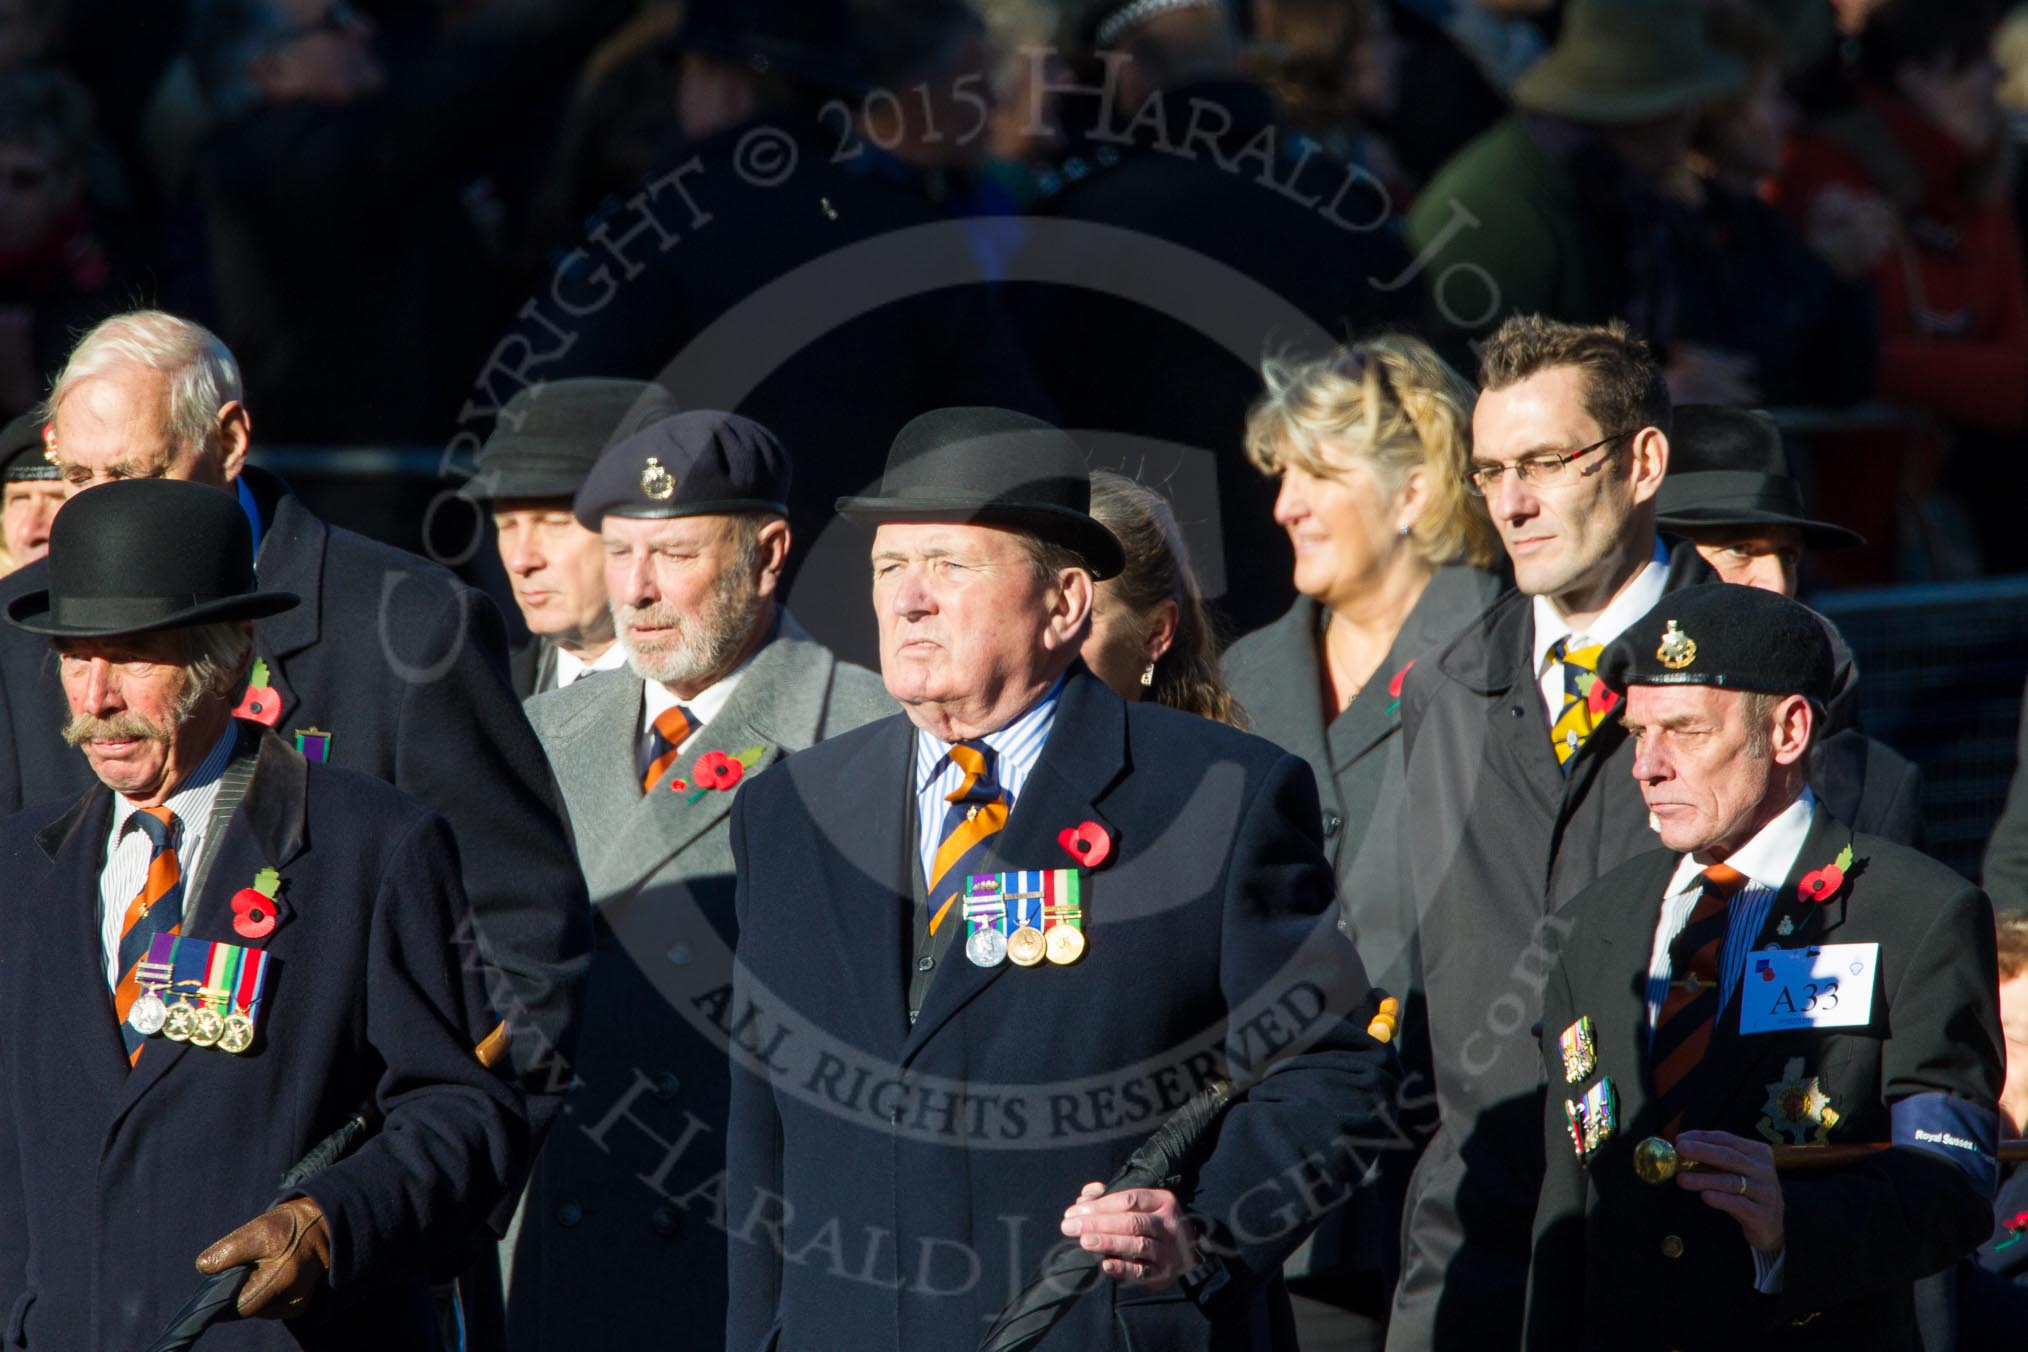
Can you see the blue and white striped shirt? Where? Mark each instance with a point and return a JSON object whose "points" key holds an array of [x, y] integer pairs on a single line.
{"points": [[128, 851], [1017, 746], [1766, 860]]}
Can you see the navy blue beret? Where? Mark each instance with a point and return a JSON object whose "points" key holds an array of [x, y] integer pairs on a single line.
{"points": [[700, 463]]}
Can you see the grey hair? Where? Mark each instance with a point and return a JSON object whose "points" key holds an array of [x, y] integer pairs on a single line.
{"points": [[203, 375], [216, 658]]}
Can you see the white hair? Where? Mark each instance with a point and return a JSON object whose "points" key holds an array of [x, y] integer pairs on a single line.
{"points": [[217, 656], [203, 376]]}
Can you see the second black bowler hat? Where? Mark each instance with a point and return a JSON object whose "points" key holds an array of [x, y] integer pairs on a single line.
{"points": [[992, 467], [1731, 637], [144, 554], [1727, 469]]}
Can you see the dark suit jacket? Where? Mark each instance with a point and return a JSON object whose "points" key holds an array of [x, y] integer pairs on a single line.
{"points": [[1858, 1237], [938, 1158], [116, 1180], [1498, 837], [406, 668], [1276, 674]]}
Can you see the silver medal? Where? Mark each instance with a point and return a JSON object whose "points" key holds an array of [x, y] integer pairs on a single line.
{"points": [[986, 948], [148, 1014]]}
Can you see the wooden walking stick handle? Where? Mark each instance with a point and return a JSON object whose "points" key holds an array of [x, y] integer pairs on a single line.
{"points": [[1656, 1161]]}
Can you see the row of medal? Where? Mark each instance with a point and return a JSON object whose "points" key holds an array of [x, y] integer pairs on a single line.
{"points": [[217, 990], [1595, 1117], [1024, 918]]}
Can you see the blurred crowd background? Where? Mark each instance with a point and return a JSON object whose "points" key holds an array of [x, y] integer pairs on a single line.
{"points": [[1808, 206]]}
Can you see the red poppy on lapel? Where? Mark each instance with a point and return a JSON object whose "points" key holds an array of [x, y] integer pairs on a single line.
{"points": [[1822, 884], [255, 909], [1601, 699], [261, 704], [1090, 843], [716, 770]]}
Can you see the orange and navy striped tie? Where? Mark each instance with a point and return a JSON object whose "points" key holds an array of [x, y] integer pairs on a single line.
{"points": [[1690, 1010], [978, 809], [1574, 725], [157, 909], [669, 731]]}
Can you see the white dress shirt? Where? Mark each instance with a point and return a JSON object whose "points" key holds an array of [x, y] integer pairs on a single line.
{"points": [[569, 669], [1637, 598], [128, 849], [707, 705]]}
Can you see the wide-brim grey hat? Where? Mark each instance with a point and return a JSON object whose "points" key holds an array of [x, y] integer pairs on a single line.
{"points": [[1624, 61]]}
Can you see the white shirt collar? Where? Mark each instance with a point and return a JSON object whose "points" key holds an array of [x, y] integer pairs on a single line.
{"points": [[704, 707], [570, 669], [1767, 859], [1019, 745], [1641, 595]]}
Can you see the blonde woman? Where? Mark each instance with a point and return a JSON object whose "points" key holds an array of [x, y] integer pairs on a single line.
{"points": [[1391, 558]]}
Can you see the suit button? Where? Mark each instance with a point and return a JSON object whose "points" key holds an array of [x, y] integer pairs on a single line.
{"points": [[664, 1220], [1672, 1246], [570, 1213], [1332, 821], [666, 1085], [1517, 712], [679, 954], [924, 963]]}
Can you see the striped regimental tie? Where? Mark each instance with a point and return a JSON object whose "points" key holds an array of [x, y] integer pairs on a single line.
{"points": [[157, 909], [1690, 1010], [977, 811], [671, 728]]}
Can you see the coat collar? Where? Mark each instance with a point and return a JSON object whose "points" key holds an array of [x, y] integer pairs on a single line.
{"points": [[266, 831], [778, 706], [1085, 755]]}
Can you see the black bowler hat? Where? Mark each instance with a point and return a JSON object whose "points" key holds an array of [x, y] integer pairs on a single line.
{"points": [[811, 42], [21, 450], [1735, 638], [1727, 469], [145, 554], [550, 434], [700, 463], [992, 467]]}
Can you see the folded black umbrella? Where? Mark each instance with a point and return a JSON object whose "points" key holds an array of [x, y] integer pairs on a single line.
{"points": [[1069, 1272]]}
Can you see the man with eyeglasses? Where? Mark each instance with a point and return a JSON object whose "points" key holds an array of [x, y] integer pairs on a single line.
{"points": [[1518, 773]]}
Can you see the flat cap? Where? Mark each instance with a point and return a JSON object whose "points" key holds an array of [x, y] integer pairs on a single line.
{"points": [[700, 463], [21, 450], [549, 435], [1735, 638]]}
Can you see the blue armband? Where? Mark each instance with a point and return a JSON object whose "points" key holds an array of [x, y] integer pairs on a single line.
{"points": [[1957, 1129]]}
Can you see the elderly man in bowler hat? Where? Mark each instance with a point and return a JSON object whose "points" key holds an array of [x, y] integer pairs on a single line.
{"points": [[1769, 978], [218, 953], [390, 666], [1034, 919], [1730, 492], [689, 515], [544, 442], [30, 492]]}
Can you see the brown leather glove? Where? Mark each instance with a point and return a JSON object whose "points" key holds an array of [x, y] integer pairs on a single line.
{"points": [[289, 1249]]}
